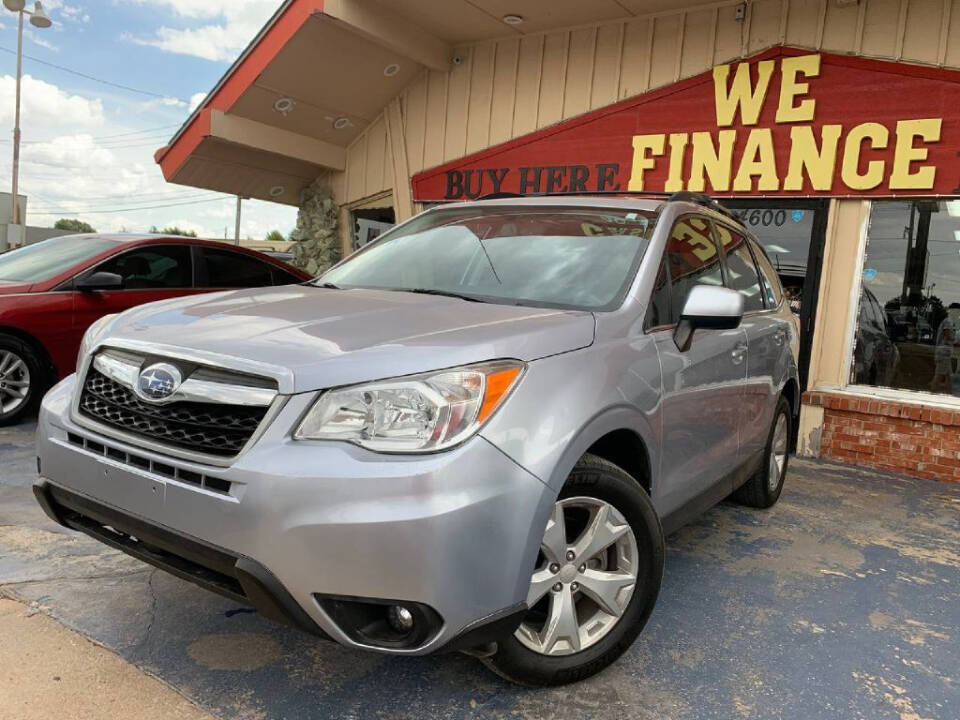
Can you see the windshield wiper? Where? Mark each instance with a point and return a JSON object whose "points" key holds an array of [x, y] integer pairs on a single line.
{"points": [[445, 293], [329, 286]]}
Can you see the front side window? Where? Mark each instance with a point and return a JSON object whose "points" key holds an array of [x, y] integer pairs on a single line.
{"points": [[541, 256], [741, 271], [908, 324], [152, 267], [48, 258], [692, 259]]}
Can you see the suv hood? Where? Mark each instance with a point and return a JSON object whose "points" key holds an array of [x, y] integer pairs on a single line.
{"points": [[310, 338]]}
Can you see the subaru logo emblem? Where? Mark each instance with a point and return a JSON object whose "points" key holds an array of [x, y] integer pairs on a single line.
{"points": [[158, 382]]}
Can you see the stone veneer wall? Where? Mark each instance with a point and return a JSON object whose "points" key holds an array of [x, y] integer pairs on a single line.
{"points": [[317, 244]]}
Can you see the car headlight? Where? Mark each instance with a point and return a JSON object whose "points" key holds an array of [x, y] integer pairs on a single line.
{"points": [[91, 336], [417, 413]]}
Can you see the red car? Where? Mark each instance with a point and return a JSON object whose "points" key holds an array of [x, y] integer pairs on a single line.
{"points": [[52, 291]]}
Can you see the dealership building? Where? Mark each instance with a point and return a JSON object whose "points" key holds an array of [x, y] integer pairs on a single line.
{"points": [[831, 126]]}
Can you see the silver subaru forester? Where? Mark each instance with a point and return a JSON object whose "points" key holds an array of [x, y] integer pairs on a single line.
{"points": [[470, 435]]}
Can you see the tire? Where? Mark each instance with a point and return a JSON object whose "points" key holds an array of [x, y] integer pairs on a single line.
{"points": [[19, 363], [593, 483], [764, 488]]}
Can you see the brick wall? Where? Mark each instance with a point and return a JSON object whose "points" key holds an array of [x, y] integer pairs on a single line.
{"points": [[908, 438]]}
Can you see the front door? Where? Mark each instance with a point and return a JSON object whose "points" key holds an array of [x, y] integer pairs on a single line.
{"points": [[702, 386], [149, 272]]}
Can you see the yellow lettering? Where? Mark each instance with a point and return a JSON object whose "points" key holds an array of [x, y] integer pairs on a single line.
{"points": [[790, 88], [715, 161], [758, 159], [878, 136], [678, 148], [642, 144], [928, 130], [819, 162], [742, 94]]}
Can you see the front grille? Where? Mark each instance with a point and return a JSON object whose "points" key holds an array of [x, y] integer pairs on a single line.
{"points": [[210, 428]]}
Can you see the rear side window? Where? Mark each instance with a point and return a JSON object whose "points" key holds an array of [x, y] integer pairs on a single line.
{"points": [[152, 267], [692, 259], [742, 273], [282, 277], [228, 269], [771, 282]]}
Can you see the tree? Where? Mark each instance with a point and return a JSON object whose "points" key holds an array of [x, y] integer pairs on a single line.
{"points": [[73, 225], [275, 236], [172, 230]]}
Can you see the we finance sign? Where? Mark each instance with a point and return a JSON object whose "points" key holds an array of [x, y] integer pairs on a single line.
{"points": [[783, 123]]}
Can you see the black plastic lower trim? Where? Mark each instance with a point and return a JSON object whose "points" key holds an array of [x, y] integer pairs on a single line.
{"points": [[212, 568], [491, 628]]}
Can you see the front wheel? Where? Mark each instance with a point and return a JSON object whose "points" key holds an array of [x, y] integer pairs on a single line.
{"points": [[596, 581]]}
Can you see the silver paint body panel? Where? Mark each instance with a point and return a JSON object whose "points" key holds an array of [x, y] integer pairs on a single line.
{"points": [[459, 529]]}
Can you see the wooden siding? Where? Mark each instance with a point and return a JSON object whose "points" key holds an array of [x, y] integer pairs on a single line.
{"points": [[506, 88]]}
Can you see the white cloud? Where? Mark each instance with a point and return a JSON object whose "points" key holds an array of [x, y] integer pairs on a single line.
{"points": [[214, 30], [77, 160], [196, 99], [45, 106]]}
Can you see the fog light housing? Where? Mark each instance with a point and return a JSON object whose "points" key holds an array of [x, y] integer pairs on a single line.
{"points": [[382, 623]]}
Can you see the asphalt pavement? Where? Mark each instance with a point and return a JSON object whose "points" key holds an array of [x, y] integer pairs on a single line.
{"points": [[842, 602]]}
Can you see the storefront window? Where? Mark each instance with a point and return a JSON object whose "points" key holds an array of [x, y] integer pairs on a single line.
{"points": [[908, 325]]}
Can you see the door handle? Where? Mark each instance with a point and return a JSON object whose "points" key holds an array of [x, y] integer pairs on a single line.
{"points": [[738, 353]]}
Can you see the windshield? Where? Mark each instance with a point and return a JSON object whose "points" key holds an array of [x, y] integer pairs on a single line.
{"points": [[569, 258], [47, 258]]}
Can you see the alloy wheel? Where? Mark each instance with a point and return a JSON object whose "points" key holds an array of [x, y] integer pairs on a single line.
{"points": [[778, 453], [14, 382], [585, 576]]}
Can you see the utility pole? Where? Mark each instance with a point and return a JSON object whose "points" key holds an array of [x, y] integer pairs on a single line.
{"points": [[236, 232], [38, 19]]}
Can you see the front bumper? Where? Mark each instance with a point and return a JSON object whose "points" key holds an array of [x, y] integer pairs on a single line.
{"points": [[456, 531]]}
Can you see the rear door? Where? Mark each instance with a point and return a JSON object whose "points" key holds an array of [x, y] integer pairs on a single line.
{"points": [[702, 386], [766, 336], [149, 272]]}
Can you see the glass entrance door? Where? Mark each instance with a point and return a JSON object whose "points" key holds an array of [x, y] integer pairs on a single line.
{"points": [[792, 232]]}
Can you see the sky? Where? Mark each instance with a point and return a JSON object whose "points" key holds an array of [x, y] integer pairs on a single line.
{"points": [[87, 147]]}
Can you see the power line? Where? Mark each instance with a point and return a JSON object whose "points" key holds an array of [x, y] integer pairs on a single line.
{"points": [[106, 204], [91, 77], [143, 133], [158, 195], [128, 209]]}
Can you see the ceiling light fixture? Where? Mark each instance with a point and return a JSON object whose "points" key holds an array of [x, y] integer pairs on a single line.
{"points": [[513, 19], [341, 123], [284, 106], [276, 191], [391, 70]]}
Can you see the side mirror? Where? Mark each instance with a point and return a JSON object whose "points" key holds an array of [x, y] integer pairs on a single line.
{"points": [[711, 307], [99, 281]]}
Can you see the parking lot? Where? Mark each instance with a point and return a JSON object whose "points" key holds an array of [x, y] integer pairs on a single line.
{"points": [[841, 602]]}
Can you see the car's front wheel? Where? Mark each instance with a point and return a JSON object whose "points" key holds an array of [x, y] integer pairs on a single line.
{"points": [[596, 580], [20, 379]]}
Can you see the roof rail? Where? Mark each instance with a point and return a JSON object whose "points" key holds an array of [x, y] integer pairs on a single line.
{"points": [[703, 200]]}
